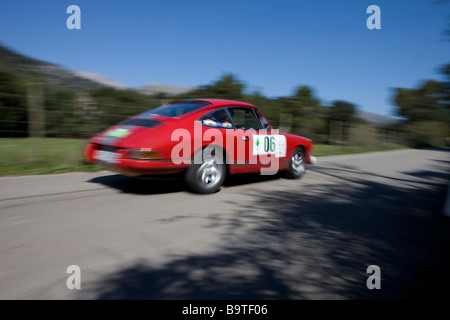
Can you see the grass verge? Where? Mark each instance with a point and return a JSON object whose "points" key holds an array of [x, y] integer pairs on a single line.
{"points": [[25, 156]]}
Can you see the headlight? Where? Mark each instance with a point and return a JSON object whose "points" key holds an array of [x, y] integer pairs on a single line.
{"points": [[144, 154]]}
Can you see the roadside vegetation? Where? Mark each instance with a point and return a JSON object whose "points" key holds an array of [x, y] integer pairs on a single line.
{"points": [[25, 156], [33, 108]]}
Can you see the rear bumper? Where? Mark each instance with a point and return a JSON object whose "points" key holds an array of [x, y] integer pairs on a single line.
{"points": [[122, 164]]}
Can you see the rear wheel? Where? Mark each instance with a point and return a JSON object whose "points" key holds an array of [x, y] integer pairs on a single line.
{"points": [[297, 164], [207, 173]]}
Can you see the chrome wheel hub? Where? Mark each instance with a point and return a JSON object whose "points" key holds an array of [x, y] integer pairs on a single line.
{"points": [[298, 163], [208, 173]]}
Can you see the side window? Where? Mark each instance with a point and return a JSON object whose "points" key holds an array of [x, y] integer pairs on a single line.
{"points": [[244, 118], [264, 122], [217, 119]]}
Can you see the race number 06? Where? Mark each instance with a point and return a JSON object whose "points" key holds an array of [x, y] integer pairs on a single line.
{"points": [[269, 144]]}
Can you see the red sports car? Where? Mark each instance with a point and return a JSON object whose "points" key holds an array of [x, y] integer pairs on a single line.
{"points": [[206, 139]]}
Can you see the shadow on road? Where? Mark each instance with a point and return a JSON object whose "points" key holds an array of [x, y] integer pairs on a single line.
{"points": [[313, 243], [141, 186], [169, 183]]}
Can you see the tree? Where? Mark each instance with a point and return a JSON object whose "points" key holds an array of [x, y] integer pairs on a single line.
{"points": [[426, 112], [424, 103], [116, 105], [13, 120], [303, 108], [340, 116], [445, 70], [227, 87], [342, 111]]}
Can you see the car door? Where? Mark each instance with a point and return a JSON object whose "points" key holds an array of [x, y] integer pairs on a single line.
{"points": [[263, 146], [247, 126], [217, 129]]}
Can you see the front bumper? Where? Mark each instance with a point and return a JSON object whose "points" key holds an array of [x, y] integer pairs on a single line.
{"points": [[311, 160]]}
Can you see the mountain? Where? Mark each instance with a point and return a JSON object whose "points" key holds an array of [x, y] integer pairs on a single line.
{"points": [[154, 88], [100, 79], [50, 73], [376, 119], [54, 75]]}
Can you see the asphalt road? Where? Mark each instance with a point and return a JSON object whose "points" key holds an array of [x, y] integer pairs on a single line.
{"points": [[258, 238]]}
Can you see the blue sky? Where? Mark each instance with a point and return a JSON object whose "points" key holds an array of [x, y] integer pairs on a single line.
{"points": [[272, 46]]}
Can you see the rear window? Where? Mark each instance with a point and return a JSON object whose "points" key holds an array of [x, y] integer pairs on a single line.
{"points": [[146, 123], [177, 109]]}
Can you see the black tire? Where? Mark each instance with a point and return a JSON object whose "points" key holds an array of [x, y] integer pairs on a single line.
{"points": [[207, 173], [297, 164]]}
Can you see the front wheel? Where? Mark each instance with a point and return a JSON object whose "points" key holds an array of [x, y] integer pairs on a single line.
{"points": [[297, 164], [207, 173]]}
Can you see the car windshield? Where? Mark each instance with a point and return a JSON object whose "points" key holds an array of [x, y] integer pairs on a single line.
{"points": [[177, 109]]}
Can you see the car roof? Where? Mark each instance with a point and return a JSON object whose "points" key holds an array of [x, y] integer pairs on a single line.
{"points": [[219, 102]]}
